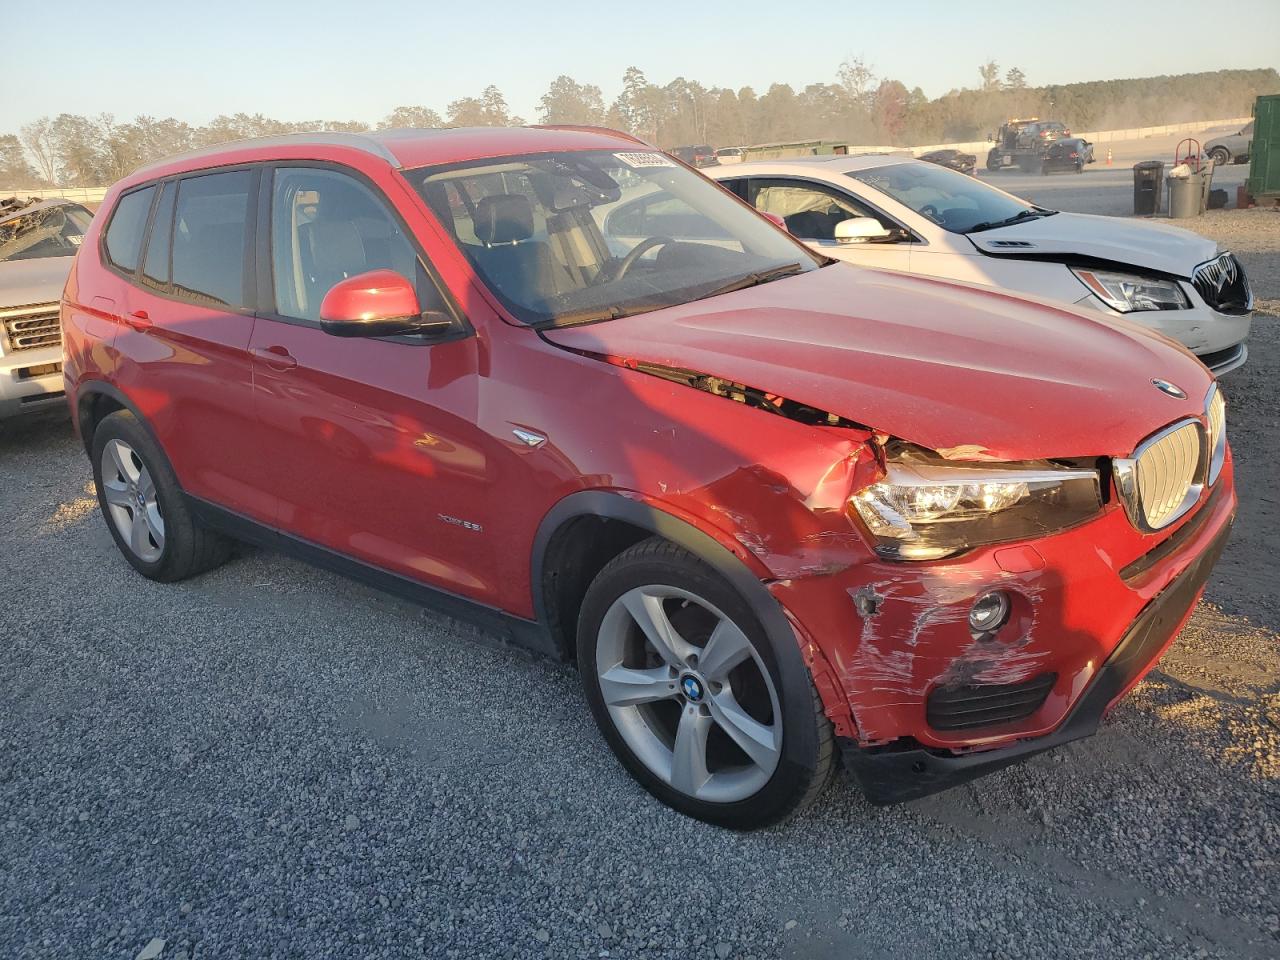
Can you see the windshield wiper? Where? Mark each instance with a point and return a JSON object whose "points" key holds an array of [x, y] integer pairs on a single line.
{"points": [[1031, 214], [574, 318], [755, 279]]}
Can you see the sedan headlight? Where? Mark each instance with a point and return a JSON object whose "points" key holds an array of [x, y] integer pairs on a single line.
{"points": [[925, 509], [1127, 293]]}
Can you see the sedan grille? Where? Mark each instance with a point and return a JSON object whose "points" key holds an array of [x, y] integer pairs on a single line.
{"points": [[31, 327], [1222, 284], [1165, 477]]}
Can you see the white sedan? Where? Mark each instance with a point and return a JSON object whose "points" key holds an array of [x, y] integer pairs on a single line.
{"points": [[902, 214]]}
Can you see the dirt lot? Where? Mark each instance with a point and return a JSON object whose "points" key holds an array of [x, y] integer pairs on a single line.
{"points": [[270, 761]]}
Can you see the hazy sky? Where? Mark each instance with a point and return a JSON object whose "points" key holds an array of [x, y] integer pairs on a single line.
{"points": [[324, 59]]}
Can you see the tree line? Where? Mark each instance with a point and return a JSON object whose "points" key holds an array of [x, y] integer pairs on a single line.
{"points": [[857, 106]]}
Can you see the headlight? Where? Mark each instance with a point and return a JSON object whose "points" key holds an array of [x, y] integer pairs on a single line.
{"points": [[1127, 293], [1216, 414], [924, 509]]}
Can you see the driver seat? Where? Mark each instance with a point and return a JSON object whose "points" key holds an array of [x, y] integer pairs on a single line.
{"points": [[522, 268]]}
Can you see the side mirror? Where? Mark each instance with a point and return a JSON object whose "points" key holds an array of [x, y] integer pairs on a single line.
{"points": [[860, 230], [380, 303], [776, 220]]}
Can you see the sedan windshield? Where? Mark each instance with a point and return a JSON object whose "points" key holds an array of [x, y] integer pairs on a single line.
{"points": [[953, 201], [44, 230], [574, 237]]}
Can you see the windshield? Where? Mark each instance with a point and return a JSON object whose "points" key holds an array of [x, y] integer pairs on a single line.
{"points": [[573, 237], [952, 200], [43, 231]]}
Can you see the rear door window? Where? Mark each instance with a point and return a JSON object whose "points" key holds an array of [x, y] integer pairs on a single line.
{"points": [[210, 239], [155, 268], [124, 234]]}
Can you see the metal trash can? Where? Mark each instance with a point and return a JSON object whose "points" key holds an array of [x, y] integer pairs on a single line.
{"points": [[1148, 177], [1186, 196]]}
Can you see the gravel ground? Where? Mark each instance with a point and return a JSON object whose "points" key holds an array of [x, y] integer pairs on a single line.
{"points": [[273, 762]]}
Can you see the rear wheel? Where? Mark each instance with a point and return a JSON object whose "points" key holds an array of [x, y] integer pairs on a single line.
{"points": [[144, 507], [692, 696], [1220, 155]]}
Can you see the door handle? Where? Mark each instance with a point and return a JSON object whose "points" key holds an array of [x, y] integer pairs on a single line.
{"points": [[138, 319], [277, 358]]}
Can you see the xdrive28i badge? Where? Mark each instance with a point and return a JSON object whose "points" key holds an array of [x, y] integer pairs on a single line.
{"points": [[1172, 389]]}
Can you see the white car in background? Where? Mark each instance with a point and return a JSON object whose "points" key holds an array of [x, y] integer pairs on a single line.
{"points": [[902, 214], [38, 242]]}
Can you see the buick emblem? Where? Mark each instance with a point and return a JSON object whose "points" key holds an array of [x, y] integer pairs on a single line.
{"points": [[1172, 389]]}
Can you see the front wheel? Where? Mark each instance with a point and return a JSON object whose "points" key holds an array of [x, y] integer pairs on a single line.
{"points": [[1220, 156], [693, 697]]}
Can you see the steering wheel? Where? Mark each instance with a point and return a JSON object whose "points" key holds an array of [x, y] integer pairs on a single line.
{"points": [[930, 211], [636, 252]]}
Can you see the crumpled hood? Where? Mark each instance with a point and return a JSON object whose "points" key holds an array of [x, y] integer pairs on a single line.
{"points": [[39, 280], [1141, 243], [971, 372]]}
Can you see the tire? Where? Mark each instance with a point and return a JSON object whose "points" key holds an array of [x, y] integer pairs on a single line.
{"points": [[144, 507], [1221, 156], [681, 725], [1079, 168], [993, 160]]}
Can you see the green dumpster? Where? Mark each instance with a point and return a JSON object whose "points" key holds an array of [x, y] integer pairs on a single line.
{"points": [[1264, 154]]}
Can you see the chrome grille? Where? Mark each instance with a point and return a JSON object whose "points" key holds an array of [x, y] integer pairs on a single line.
{"points": [[31, 327], [1166, 471], [1165, 476], [1222, 283]]}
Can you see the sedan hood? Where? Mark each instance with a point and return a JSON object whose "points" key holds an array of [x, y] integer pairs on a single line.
{"points": [[39, 280], [970, 372], [1140, 243]]}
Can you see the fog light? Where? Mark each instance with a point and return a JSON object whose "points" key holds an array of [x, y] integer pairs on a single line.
{"points": [[989, 611]]}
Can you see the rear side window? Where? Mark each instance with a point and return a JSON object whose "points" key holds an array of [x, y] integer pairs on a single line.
{"points": [[208, 245], [155, 268], [124, 234]]}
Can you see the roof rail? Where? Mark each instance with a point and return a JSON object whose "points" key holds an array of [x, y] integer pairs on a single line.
{"points": [[327, 138], [592, 128]]}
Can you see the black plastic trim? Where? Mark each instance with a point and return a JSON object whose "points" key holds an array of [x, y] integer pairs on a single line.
{"points": [[616, 506], [895, 774], [517, 631]]}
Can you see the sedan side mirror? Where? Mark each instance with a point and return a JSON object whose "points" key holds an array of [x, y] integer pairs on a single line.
{"points": [[860, 230], [380, 303]]}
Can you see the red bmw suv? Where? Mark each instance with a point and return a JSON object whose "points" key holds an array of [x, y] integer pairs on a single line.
{"points": [[557, 382]]}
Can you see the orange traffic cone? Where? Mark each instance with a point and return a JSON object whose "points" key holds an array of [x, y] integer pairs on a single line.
{"points": [[1108, 156]]}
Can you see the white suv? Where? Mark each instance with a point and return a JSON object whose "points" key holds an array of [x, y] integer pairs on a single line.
{"points": [[38, 241]]}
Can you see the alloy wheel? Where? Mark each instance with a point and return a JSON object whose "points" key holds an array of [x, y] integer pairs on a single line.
{"points": [[130, 494], [689, 694]]}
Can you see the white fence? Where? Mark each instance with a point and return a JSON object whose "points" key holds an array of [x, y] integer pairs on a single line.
{"points": [[78, 194], [980, 147]]}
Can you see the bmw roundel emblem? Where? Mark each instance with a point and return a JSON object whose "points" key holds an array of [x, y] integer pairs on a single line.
{"points": [[691, 688], [1172, 389]]}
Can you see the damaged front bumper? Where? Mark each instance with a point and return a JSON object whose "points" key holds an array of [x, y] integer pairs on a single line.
{"points": [[894, 773], [922, 700]]}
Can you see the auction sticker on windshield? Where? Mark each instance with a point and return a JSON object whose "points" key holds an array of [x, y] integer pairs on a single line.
{"points": [[645, 159]]}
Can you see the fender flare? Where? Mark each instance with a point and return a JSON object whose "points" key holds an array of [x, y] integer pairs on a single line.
{"points": [[795, 674], [89, 388]]}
